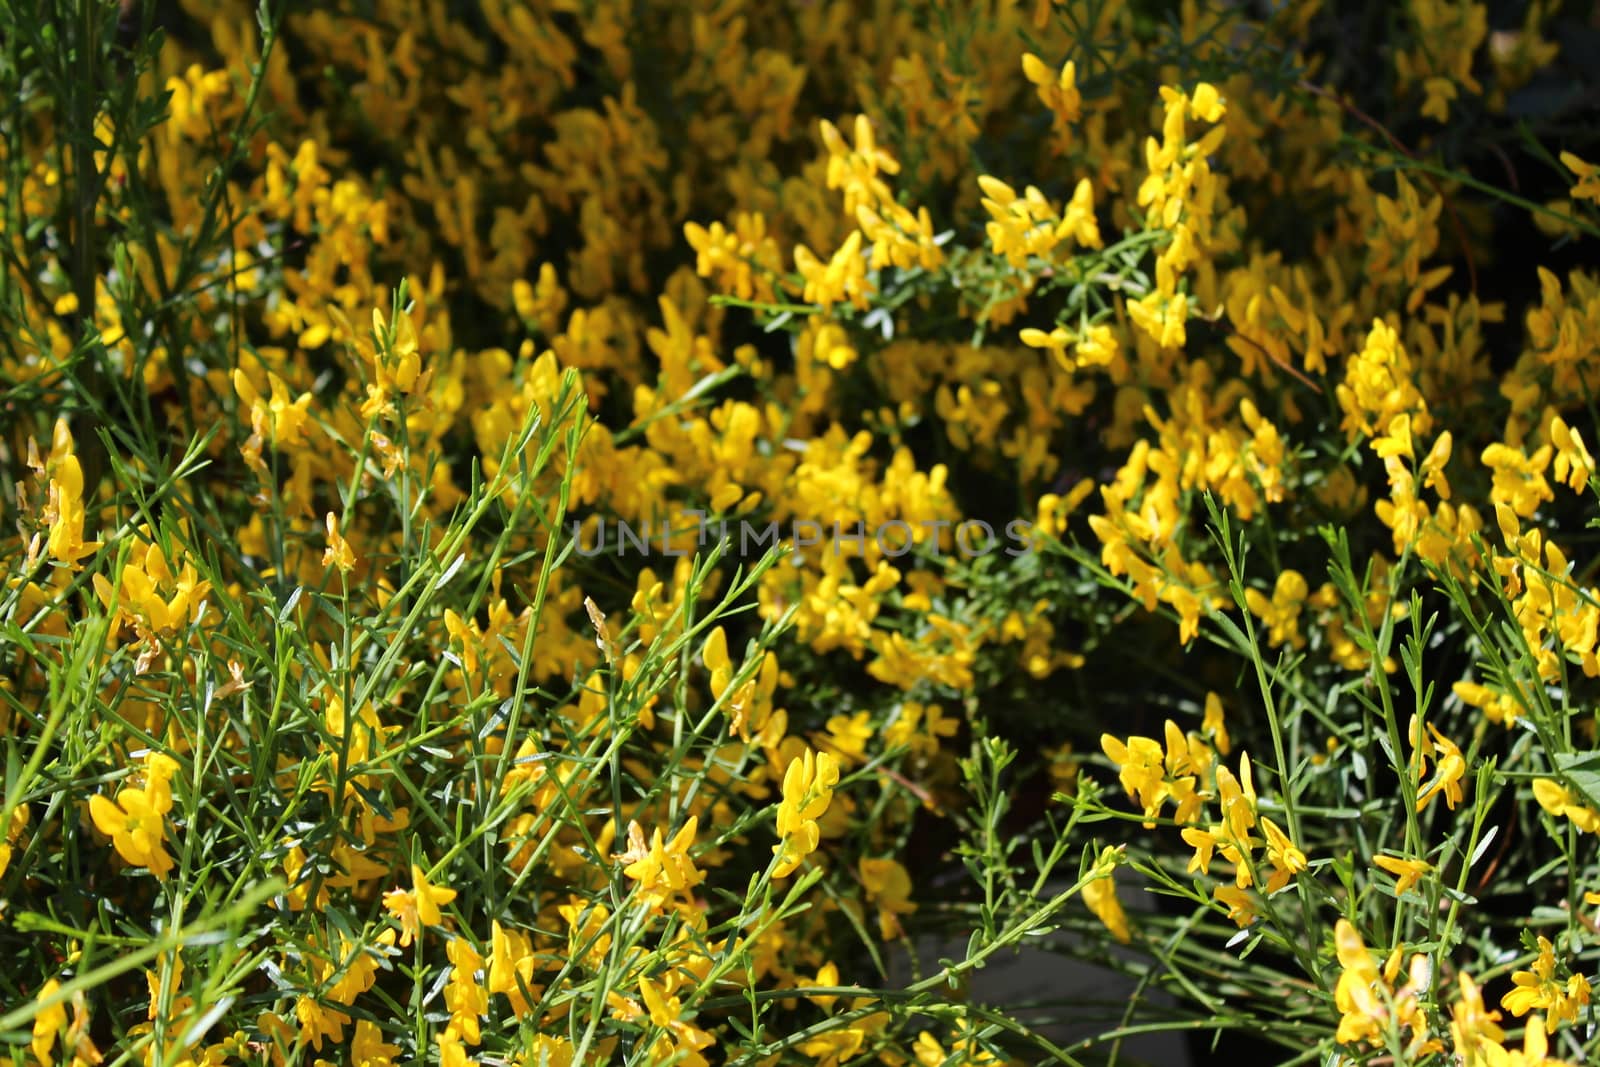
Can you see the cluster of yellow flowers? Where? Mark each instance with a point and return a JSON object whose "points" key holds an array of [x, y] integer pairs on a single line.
{"points": [[1374, 1009], [1188, 774]]}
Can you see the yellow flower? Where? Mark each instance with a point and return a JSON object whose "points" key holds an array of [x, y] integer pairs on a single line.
{"points": [[66, 510], [1439, 92], [843, 277], [1056, 341], [548, 1051], [451, 1051], [1358, 994], [397, 351], [667, 1012], [856, 170], [540, 308], [807, 791], [463, 995], [418, 906], [1204, 843], [888, 885], [1282, 612], [279, 420], [359, 965], [664, 870], [1142, 771], [338, 554], [827, 977], [1078, 221], [715, 657], [588, 938], [1519, 481], [1433, 464], [834, 1047], [847, 738], [1240, 904], [179, 1004], [1287, 859], [1101, 894], [1214, 725], [1020, 226], [1574, 464], [1447, 773], [1588, 175], [1098, 347], [1406, 871], [1161, 316], [135, 822], [1474, 1030], [1560, 802], [1057, 91], [511, 966], [928, 1051], [1396, 440], [1535, 1051], [318, 1021], [48, 1023], [1206, 103], [368, 1049], [1539, 988], [141, 596]]}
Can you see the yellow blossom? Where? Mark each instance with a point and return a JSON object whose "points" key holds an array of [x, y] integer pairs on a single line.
{"points": [[47, 1023], [1573, 464], [1558, 800], [1449, 770], [1474, 1029], [338, 554], [1282, 612], [1215, 725], [368, 1049], [807, 791], [418, 906], [1286, 858], [888, 885], [1587, 186], [664, 870], [1406, 871], [1058, 91], [1358, 994], [1100, 894], [318, 1022], [135, 821], [1539, 988], [686, 1039]]}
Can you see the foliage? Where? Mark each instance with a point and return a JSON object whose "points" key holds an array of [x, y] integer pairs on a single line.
{"points": [[576, 531]]}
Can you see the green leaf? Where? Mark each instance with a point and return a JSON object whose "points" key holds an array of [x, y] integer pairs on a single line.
{"points": [[1582, 772]]}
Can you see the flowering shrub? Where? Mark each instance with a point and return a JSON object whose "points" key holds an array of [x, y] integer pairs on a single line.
{"points": [[588, 531]]}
